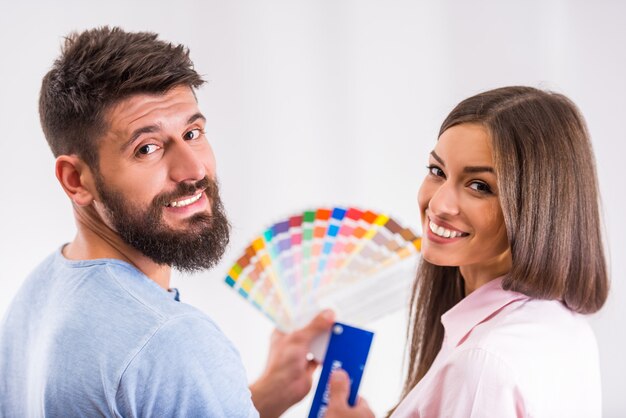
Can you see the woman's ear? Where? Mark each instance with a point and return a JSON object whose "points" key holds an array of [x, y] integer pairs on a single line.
{"points": [[76, 179]]}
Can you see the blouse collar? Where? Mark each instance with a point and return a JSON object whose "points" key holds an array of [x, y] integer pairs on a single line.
{"points": [[477, 307]]}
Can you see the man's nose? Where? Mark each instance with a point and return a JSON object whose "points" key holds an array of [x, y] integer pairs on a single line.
{"points": [[186, 164]]}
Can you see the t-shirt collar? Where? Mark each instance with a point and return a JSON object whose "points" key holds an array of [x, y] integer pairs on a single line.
{"points": [[478, 306], [174, 293]]}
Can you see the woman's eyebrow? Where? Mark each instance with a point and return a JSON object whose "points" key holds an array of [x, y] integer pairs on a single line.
{"points": [[438, 158], [468, 169], [478, 169]]}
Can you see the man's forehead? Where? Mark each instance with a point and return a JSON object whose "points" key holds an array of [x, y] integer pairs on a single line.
{"points": [[145, 107]]}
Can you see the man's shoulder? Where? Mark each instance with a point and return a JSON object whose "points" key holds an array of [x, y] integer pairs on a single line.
{"points": [[187, 334], [105, 331], [189, 364], [101, 284], [111, 311]]}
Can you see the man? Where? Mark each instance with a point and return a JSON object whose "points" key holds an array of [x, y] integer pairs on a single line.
{"points": [[96, 330]]}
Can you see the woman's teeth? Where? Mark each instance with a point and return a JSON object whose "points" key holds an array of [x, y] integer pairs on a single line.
{"points": [[443, 232], [181, 203]]}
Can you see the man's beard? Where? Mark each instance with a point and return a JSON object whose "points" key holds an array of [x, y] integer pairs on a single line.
{"points": [[199, 246]]}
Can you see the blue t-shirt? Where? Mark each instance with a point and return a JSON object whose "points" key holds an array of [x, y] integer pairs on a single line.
{"points": [[99, 338]]}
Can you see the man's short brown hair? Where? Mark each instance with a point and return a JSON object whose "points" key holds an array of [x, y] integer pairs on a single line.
{"points": [[96, 69]]}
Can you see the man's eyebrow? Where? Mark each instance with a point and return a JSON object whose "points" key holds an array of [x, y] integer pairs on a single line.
{"points": [[156, 128], [138, 132], [195, 117]]}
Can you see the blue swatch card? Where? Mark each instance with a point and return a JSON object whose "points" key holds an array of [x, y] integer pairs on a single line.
{"points": [[347, 349]]}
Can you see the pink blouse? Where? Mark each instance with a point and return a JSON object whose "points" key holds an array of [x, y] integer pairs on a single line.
{"points": [[507, 355]]}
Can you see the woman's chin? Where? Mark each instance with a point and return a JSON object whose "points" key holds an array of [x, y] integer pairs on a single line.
{"points": [[437, 259]]}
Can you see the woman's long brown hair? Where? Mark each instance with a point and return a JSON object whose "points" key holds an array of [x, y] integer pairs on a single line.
{"points": [[546, 175]]}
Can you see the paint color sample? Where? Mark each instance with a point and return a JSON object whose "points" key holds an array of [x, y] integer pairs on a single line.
{"points": [[283, 270]]}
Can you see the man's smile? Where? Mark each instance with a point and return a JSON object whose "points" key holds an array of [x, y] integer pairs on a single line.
{"points": [[184, 202]]}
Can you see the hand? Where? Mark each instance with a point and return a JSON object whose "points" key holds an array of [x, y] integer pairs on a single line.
{"points": [[338, 399], [288, 375]]}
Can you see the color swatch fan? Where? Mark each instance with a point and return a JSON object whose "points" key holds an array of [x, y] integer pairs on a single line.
{"points": [[358, 262]]}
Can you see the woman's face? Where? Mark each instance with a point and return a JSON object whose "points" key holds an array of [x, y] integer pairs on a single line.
{"points": [[461, 214]]}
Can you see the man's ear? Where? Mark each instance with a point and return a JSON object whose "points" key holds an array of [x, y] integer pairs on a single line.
{"points": [[76, 179]]}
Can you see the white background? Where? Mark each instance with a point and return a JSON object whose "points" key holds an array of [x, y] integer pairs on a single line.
{"points": [[319, 103]]}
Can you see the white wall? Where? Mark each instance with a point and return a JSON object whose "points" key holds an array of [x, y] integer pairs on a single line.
{"points": [[324, 102]]}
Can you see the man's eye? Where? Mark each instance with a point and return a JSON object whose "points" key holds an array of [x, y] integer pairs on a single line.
{"points": [[193, 134], [479, 186], [147, 149]]}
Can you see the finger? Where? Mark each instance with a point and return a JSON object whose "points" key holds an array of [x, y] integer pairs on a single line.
{"points": [[339, 387], [361, 403], [322, 323], [277, 334], [312, 365], [363, 407]]}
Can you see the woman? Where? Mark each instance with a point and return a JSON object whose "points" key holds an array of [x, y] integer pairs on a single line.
{"points": [[511, 256]]}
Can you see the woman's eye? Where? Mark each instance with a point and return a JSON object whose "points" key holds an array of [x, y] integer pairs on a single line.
{"points": [[147, 149], [435, 171], [193, 134], [479, 186]]}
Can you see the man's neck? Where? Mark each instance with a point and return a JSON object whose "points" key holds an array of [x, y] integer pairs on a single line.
{"points": [[96, 240]]}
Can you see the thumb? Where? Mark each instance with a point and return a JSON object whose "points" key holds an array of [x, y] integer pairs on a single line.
{"points": [[322, 323], [339, 387]]}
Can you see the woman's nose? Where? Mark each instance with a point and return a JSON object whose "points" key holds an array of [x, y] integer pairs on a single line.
{"points": [[444, 200]]}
